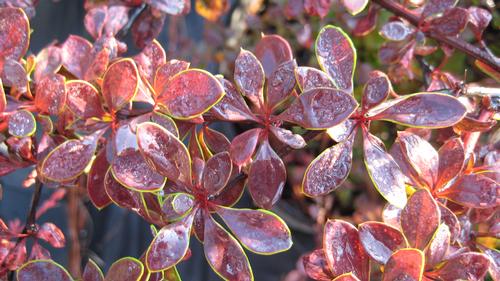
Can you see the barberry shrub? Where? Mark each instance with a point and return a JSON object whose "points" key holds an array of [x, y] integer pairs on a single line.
{"points": [[135, 132]]}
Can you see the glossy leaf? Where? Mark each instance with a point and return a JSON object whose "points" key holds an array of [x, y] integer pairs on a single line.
{"points": [[176, 205], [224, 254], [366, 24], [405, 264], [176, 7], [383, 170], [451, 220], [479, 20], [166, 71], [267, 177], [215, 141], [272, 50], [354, 7], [190, 93], [14, 33], [119, 194], [473, 191], [231, 194], [125, 269], [420, 218], [92, 272], [451, 23], [249, 77], [69, 159], [380, 240], [467, 266], [438, 246], [217, 172], [50, 94], [75, 52], [42, 270], [329, 170], [309, 78], [336, 56], [430, 110], [433, 7], [342, 131], [259, 231], [22, 124], [170, 245], [120, 83], [50, 233], [83, 99], [164, 152], [280, 84], [316, 267], [150, 60], [451, 161], [147, 26], [243, 146], [376, 90], [48, 62], [232, 107], [287, 137], [320, 108], [395, 31], [391, 215]]}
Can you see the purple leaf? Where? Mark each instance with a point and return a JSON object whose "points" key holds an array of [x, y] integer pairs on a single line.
{"points": [[232, 107], [176, 205], [83, 99], [217, 172], [14, 33], [249, 77], [473, 191], [272, 50], [310, 78], [451, 161], [92, 272], [287, 137], [243, 146], [125, 269], [120, 83], [316, 267], [42, 270], [150, 60], [380, 240], [280, 84], [395, 31], [165, 73], [51, 94], [479, 19], [438, 246], [75, 53], [376, 90], [22, 124], [433, 7], [467, 266], [451, 23]]}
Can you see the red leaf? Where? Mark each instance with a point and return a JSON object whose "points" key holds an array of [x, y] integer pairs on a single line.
{"points": [[170, 244], [259, 231], [224, 253], [95, 19], [190, 93], [473, 191], [383, 170], [336, 56], [147, 27], [232, 107], [164, 152], [14, 33], [479, 19], [420, 218], [451, 220], [231, 194], [346, 277], [17, 255], [217, 172], [117, 18], [120, 195], [83, 99], [267, 177], [395, 31], [272, 50], [343, 250], [214, 141], [320, 108], [329, 170], [50, 94], [92, 272], [317, 7], [151, 59], [22, 124], [120, 83], [166, 122], [421, 156], [69, 159], [249, 77], [309, 78], [451, 161], [176, 7], [176, 205], [467, 266], [95, 181], [243, 146], [48, 62], [287, 137], [376, 90], [52, 234], [42, 270], [342, 131], [451, 23], [405, 264], [366, 24], [469, 124], [354, 7], [280, 84], [438, 246], [316, 267], [14, 75], [75, 53], [433, 7], [380, 240], [125, 269], [391, 215], [430, 110]]}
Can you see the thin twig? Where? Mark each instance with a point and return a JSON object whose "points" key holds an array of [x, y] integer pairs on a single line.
{"points": [[137, 11]]}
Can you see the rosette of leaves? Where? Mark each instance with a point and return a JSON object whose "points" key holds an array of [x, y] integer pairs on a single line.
{"points": [[337, 56], [267, 80], [195, 193]]}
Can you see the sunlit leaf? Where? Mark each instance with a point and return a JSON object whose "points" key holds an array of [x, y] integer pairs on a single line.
{"points": [[117, 18], [438, 246], [287, 137], [232, 107], [176, 205], [329, 170], [42, 270], [383, 170], [14, 33], [420, 218], [120, 84], [243, 146], [451, 23], [405, 264], [170, 244], [50, 94], [164, 152], [473, 191], [366, 24], [433, 7], [166, 71], [479, 19], [391, 215], [267, 177], [171, 7], [260, 231], [467, 266], [48, 62], [224, 254], [320, 108], [217, 172], [83, 99], [336, 56], [354, 7], [272, 50], [395, 31], [430, 110], [232, 193], [380, 240], [150, 60], [316, 267], [94, 20], [50, 233], [317, 7], [343, 250], [309, 78], [74, 52], [190, 93], [280, 84], [346, 277], [125, 269], [119, 194], [215, 141], [147, 26], [249, 77], [22, 124], [451, 161], [451, 220], [92, 272], [376, 90]]}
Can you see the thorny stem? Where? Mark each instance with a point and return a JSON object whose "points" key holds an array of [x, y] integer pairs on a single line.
{"points": [[455, 42]]}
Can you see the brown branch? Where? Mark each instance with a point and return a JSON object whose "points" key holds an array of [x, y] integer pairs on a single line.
{"points": [[455, 42]]}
